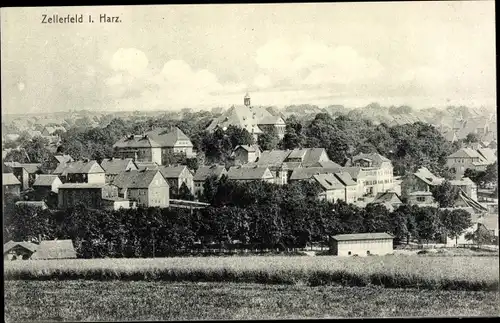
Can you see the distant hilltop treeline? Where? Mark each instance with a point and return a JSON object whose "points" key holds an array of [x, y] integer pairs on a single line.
{"points": [[447, 119]]}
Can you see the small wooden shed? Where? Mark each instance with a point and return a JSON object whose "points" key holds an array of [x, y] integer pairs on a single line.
{"points": [[18, 250], [362, 244]]}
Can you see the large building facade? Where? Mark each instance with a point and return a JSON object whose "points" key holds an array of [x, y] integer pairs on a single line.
{"points": [[154, 146]]}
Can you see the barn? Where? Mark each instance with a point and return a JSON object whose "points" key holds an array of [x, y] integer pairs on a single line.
{"points": [[362, 244]]}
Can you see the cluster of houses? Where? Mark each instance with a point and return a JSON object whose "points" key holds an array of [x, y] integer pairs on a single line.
{"points": [[139, 174]]}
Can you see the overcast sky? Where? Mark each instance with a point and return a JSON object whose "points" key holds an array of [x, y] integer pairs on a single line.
{"points": [[159, 57]]}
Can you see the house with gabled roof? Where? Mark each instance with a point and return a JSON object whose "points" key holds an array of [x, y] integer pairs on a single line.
{"points": [[11, 185], [466, 158], [81, 171], [249, 174], [309, 157], [154, 146], [114, 166], [244, 154], [389, 199], [92, 195], [204, 172], [47, 183], [147, 187], [56, 160], [176, 176], [46, 188], [331, 188], [256, 120], [373, 172], [26, 173]]}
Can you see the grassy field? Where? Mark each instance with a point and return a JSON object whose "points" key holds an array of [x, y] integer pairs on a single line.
{"points": [[85, 300], [439, 273]]}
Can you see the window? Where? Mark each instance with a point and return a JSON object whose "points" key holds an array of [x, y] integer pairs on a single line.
{"points": [[349, 253], [367, 252], [420, 198]]}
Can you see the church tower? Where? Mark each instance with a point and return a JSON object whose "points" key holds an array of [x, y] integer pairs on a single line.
{"points": [[246, 100]]}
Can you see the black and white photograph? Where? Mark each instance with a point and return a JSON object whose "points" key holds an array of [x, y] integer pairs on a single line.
{"points": [[273, 161]]}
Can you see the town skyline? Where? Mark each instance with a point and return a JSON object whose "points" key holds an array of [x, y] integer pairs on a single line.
{"points": [[418, 54]]}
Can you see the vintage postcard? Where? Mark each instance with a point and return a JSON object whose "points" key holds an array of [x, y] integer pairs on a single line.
{"points": [[249, 161]]}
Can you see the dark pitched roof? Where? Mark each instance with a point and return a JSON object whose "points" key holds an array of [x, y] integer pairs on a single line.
{"points": [[115, 166], [272, 157], [26, 245], [63, 158], [55, 249], [45, 180], [78, 167], [345, 178], [362, 236], [312, 157], [249, 148], [135, 178], [306, 173], [9, 179], [387, 197], [328, 182], [376, 158], [159, 137], [81, 185], [427, 177], [146, 165], [248, 173], [465, 153], [204, 172], [30, 168], [172, 171]]}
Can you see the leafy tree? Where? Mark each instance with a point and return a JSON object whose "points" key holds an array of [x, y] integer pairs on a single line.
{"points": [[294, 136], [268, 140], [376, 218], [37, 150], [185, 193], [210, 187], [491, 173], [239, 136], [480, 237], [17, 155], [455, 222], [471, 138], [445, 194], [429, 225], [192, 164], [476, 176]]}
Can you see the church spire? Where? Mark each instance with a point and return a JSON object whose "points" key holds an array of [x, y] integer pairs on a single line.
{"points": [[246, 100]]}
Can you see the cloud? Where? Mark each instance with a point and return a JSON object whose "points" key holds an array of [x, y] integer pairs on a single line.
{"points": [[130, 60], [312, 63], [177, 84]]}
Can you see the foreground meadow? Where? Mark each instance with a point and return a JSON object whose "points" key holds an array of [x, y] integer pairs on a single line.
{"points": [[439, 273], [85, 300]]}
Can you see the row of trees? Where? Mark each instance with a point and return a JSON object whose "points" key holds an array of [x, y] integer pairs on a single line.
{"points": [[257, 215]]}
